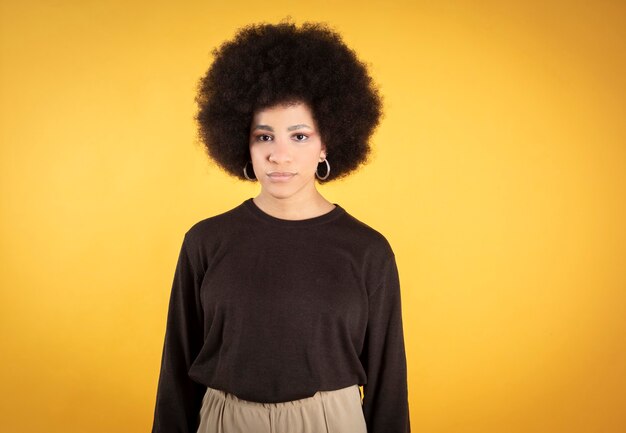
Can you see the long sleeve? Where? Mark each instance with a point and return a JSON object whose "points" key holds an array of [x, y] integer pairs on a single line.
{"points": [[385, 402], [179, 398]]}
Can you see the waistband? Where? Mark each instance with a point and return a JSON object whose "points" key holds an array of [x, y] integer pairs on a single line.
{"points": [[223, 395]]}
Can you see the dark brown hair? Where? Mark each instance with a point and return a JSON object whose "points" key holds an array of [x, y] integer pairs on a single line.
{"points": [[269, 64]]}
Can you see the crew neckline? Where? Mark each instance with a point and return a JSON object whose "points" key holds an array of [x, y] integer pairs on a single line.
{"points": [[320, 219]]}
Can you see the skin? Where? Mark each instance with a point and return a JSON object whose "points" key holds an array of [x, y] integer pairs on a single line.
{"points": [[285, 138]]}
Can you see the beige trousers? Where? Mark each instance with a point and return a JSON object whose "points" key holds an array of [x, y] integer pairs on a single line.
{"points": [[338, 411]]}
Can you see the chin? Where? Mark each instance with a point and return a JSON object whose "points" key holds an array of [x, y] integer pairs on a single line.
{"points": [[279, 194], [281, 190], [284, 190]]}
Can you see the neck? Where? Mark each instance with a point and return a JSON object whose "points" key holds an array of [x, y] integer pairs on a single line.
{"points": [[293, 207]]}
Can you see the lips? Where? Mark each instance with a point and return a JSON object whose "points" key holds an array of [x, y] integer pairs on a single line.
{"points": [[281, 175], [286, 173]]}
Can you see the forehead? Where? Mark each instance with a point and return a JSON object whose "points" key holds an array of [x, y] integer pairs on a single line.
{"points": [[283, 114]]}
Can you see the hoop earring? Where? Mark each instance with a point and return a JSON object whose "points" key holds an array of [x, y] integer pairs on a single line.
{"points": [[245, 173], [327, 170]]}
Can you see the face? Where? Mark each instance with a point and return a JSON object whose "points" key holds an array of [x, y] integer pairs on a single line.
{"points": [[285, 148]]}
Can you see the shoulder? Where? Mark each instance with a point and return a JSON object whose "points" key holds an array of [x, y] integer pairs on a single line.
{"points": [[373, 249], [364, 236], [210, 228]]}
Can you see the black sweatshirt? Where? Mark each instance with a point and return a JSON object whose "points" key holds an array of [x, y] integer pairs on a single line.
{"points": [[273, 310]]}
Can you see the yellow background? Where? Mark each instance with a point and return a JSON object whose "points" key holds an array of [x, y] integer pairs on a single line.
{"points": [[499, 178]]}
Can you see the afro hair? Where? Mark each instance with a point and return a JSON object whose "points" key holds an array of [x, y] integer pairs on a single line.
{"points": [[269, 64]]}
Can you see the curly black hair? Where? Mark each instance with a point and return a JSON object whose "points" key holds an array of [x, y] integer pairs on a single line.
{"points": [[270, 64]]}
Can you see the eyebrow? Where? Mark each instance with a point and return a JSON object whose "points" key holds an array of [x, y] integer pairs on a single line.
{"points": [[291, 128]]}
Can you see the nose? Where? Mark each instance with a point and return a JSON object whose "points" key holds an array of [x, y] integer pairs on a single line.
{"points": [[280, 151]]}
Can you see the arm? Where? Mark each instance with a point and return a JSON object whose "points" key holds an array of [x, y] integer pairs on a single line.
{"points": [[385, 402], [179, 398]]}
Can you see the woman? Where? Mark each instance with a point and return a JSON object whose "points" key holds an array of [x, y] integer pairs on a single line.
{"points": [[282, 306]]}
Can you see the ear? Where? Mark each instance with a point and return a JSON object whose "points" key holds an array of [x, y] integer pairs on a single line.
{"points": [[323, 153]]}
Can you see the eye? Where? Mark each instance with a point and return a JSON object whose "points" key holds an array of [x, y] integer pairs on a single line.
{"points": [[260, 137], [304, 137]]}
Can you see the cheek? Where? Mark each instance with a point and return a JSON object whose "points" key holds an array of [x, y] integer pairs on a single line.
{"points": [[314, 156], [255, 153]]}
